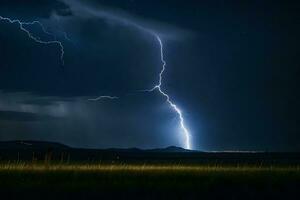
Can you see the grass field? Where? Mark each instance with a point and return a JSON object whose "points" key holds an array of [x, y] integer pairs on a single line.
{"points": [[85, 181]]}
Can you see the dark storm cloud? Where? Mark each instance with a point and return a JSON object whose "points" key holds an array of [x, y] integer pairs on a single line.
{"points": [[45, 101], [32, 9], [23, 116], [103, 58], [94, 9], [41, 102], [91, 66], [92, 124]]}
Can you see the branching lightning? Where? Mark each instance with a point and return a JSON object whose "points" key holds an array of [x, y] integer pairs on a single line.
{"points": [[36, 39], [158, 87]]}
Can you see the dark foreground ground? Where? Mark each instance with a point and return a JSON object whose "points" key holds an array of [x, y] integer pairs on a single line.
{"points": [[30, 170], [66, 181]]}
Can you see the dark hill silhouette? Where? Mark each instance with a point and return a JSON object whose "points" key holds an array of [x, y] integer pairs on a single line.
{"points": [[29, 144], [171, 149]]}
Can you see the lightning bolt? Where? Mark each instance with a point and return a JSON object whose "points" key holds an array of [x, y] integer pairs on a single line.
{"points": [[104, 97], [36, 39], [158, 87], [106, 14]]}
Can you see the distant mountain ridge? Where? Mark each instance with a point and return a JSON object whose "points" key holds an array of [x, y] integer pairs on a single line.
{"points": [[32, 144], [171, 149]]}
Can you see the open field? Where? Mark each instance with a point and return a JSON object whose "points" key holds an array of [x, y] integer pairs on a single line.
{"points": [[43, 170], [84, 181]]}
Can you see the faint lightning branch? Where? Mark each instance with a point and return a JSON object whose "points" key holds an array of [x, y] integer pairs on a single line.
{"points": [[36, 39], [104, 97], [66, 36], [158, 87]]}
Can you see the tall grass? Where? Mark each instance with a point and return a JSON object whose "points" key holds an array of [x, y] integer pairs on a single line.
{"points": [[76, 180], [25, 166]]}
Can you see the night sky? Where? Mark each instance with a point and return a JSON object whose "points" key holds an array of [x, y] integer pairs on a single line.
{"points": [[232, 68]]}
